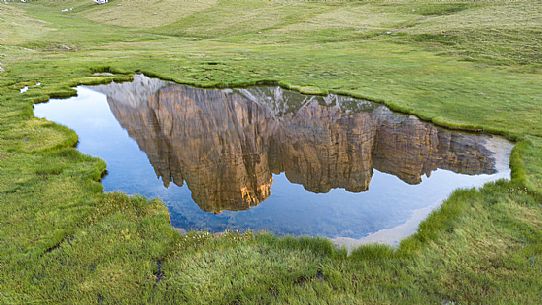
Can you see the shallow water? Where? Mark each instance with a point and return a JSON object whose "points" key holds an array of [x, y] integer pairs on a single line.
{"points": [[265, 158]]}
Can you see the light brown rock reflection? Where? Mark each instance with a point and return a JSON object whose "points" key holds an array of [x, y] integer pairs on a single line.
{"points": [[226, 144]]}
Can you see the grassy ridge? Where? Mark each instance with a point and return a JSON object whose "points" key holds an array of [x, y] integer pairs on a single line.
{"points": [[64, 241]]}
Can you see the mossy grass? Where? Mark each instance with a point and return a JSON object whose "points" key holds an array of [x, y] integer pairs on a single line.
{"points": [[65, 241]]}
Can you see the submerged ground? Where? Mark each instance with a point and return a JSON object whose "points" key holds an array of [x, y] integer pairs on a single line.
{"points": [[472, 65]]}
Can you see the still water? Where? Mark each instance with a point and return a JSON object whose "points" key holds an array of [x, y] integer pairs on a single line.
{"points": [[265, 158]]}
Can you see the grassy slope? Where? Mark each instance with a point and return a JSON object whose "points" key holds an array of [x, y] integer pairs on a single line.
{"points": [[63, 241]]}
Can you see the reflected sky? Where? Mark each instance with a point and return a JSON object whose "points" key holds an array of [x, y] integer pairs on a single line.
{"points": [[264, 158]]}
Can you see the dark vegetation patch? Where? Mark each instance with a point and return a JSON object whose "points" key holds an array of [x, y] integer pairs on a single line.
{"points": [[49, 170], [303, 279], [66, 240], [440, 8], [159, 273], [100, 298], [102, 69]]}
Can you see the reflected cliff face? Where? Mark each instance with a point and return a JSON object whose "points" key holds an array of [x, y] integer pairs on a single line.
{"points": [[265, 158], [227, 144]]}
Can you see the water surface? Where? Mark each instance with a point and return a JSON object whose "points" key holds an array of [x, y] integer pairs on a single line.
{"points": [[265, 158]]}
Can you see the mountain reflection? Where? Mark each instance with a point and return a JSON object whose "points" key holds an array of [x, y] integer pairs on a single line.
{"points": [[226, 144]]}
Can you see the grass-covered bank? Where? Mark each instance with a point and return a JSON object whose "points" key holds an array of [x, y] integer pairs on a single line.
{"points": [[64, 241]]}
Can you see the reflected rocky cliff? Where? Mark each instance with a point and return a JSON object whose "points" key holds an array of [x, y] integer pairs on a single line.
{"points": [[226, 144]]}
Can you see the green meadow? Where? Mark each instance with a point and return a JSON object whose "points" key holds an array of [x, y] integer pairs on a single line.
{"points": [[473, 65]]}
